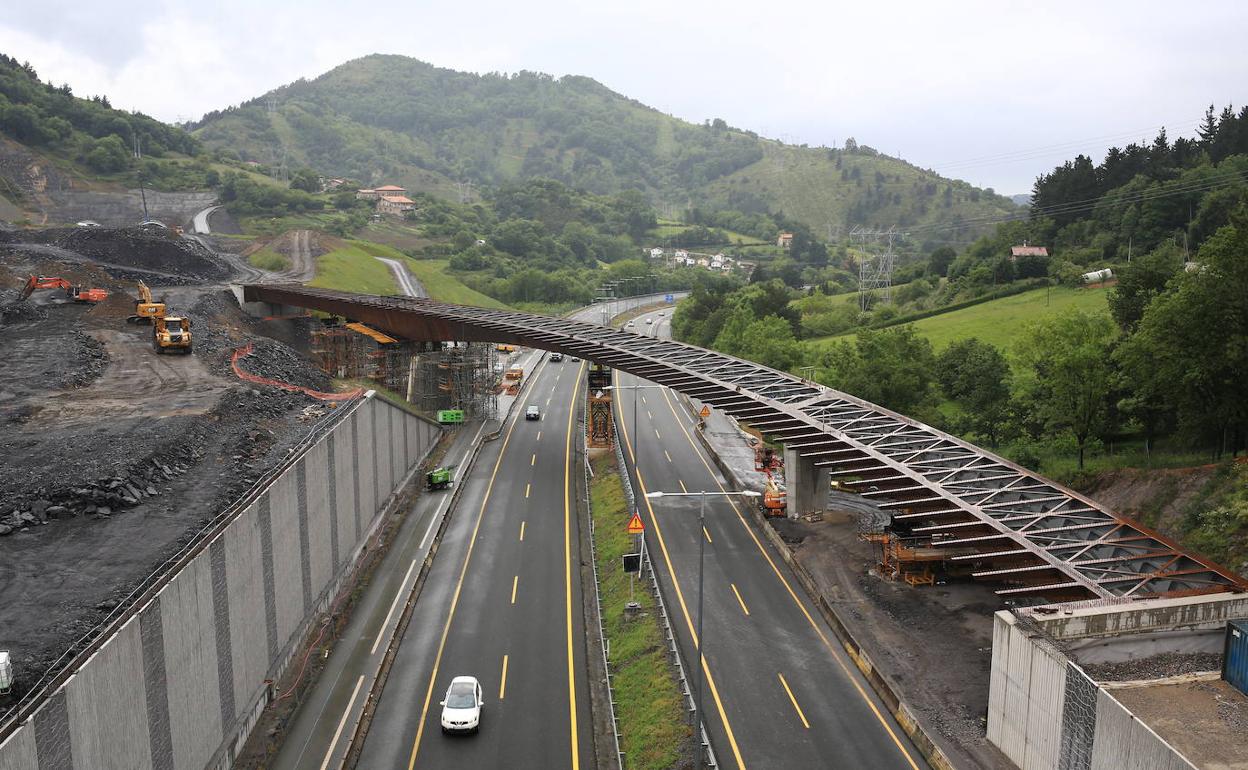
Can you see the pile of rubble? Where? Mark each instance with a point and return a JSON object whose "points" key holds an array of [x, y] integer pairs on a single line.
{"points": [[1158, 666], [99, 500], [143, 250], [90, 359]]}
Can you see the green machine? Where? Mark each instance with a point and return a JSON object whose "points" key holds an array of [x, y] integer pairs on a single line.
{"points": [[450, 416], [439, 478]]}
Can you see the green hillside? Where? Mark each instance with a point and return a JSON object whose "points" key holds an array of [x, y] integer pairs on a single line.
{"points": [[396, 119], [999, 321]]}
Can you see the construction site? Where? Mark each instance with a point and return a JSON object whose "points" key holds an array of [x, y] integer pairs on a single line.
{"points": [[139, 401]]}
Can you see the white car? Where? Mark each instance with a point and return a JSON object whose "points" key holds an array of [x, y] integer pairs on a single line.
{"points": [[461, 710], [649, 321], [88, 223], [630, 324]]}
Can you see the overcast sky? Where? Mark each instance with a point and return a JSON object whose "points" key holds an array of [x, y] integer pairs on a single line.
{"points": [[991, 92]]}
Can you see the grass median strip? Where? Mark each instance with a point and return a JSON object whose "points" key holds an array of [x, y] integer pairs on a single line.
{"points": [[649, 706]]}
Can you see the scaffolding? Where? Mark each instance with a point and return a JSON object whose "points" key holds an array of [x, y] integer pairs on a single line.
{"points": [[457, 376], [430, 375]]}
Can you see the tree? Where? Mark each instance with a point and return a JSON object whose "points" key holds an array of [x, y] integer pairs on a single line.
{"points": [[1068, 374], [1191, 345], [1140, 281], [939, 260], [892, 367], [305, 179], [976, 375], [768, 340], [108, 154]]}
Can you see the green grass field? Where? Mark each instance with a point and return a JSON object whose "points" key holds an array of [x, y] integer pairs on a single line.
{"points": [[649, 707], [444, 286], [354, 267], [267, 259], [1000, 321]]}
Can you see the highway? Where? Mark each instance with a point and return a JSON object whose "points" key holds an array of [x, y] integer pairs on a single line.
{"points": [[780, 690]]}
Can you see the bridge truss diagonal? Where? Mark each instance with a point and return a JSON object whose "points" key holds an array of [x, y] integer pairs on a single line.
{"points": [[1005, 523]]}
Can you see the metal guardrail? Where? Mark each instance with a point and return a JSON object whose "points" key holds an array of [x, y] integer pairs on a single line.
{"points": [[77, 654], [648, 568], [602, 633]]}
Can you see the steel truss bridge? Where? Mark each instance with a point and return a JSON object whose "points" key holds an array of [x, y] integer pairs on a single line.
{"points": [[1002, 522]]}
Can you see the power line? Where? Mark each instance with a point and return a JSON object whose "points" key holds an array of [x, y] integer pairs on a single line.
{"points": [[1073, 207], [1052, 149]]}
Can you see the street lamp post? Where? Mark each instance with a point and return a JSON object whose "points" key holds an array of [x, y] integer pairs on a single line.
{"points": [[701, 640], [634, 388]]}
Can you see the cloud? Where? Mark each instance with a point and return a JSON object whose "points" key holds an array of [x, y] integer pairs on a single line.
{"points": [[937, 83]]}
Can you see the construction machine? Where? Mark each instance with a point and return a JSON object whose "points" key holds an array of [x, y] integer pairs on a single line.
{"points": [[171, 333], [145, 308], [774, 501], [76, 293], [439, 478]]}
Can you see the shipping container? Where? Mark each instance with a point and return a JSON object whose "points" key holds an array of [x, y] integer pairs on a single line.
{"points": [[6, 673], [1235, 658]]}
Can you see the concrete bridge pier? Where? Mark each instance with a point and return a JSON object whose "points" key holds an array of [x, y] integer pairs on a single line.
{"points": [[806, 484]]}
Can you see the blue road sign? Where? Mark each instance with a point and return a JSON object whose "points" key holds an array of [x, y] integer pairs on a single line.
{"points": [[667, 298]]}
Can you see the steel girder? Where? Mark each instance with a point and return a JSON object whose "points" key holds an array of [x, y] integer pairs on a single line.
{"points": [[1028, 532]]}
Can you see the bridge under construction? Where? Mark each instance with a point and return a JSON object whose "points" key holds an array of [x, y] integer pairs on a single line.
{"points": [[1000, 521]]}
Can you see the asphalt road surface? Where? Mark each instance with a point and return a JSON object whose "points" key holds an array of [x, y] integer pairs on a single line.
{"points": [[502, 603], [780, 690]]}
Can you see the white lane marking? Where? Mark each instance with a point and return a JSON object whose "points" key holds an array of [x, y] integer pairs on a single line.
{"points": [[393, 605], [342, 722]]}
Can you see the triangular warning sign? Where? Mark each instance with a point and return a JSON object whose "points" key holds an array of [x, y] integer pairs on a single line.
{"points": [[635, 527], [706, 411]]}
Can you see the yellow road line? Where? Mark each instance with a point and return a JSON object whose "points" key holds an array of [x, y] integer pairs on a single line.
{"points": [[514, 583], [656, 434], [793, 595], [539, 436], [533, 459], [682, 486], [522, 532], [459, 585], [793, 701], [567, 569], [527, 487], [502, 684], [708, 535], [665, 454], [741, 601], [680, 598], [649, 416]]}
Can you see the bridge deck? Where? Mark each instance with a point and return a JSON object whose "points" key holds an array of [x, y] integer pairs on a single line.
{"points": [[1027, 532]]}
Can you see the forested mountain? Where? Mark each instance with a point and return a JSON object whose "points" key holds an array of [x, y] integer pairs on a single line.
{"points": [[397, 119], [89, 131]]}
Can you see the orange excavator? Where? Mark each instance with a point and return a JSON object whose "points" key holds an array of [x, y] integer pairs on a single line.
{"points": [[76, 293]]}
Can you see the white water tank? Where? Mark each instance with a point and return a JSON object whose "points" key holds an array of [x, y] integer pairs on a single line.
{"points": [[1096, 276], [6, 672]]}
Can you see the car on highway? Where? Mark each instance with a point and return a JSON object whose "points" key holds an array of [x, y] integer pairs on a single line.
{"points": [[533, 413], [88, 223], [461, 709], [630, 324], [649, 321], [556, 356]]}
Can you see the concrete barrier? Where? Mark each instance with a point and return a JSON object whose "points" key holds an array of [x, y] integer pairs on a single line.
{"points": [[178, 678]]}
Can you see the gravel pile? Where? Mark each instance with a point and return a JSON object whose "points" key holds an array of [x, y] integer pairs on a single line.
{"points": [[276, 361], [14, 311], [131, 247], [90, 359], [1155, 666]]}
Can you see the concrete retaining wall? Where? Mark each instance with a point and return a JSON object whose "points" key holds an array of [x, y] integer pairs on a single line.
{"points": [[180, 683], [1045, 713]]}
